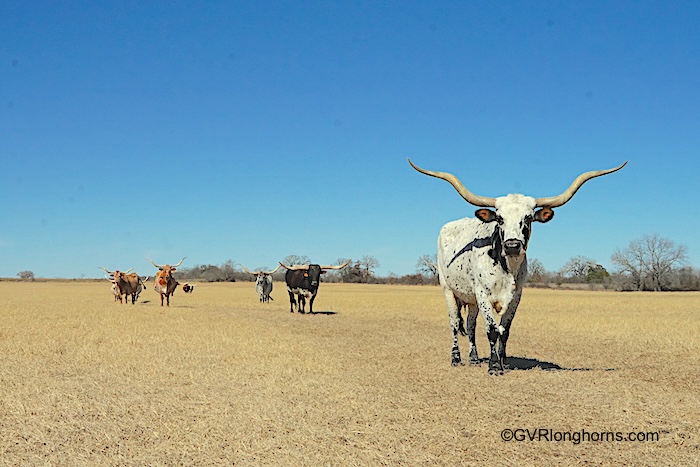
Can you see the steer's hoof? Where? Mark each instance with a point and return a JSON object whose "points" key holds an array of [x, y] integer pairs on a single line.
{"points": [[495, 371], [457, 361]]}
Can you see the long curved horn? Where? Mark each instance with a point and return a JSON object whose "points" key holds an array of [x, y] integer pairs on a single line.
{"points": [[556, 201], [106, 270], [271, 272], [337, 267], [178, 264], [470, 197], [128, 270], [154, 264], [253, 273], [295, 268]]}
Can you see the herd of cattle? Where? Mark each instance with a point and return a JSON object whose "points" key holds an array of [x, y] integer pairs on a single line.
{"points": [[302, 281], [482, 266]]}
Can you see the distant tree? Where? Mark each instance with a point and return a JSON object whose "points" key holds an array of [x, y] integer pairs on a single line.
{"points": [[341, 274], [427, 265], [650, 261], [26, 275], [630, 262], [228, 271], [368, 264], [577, 268], [597, 274], [292, 260], [688, 278], [536, 270]]}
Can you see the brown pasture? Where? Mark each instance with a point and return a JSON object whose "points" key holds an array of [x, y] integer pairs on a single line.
{"points": [[220, 379]]}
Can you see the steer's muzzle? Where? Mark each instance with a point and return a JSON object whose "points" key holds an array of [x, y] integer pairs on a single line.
{"points": [[513, 247]]}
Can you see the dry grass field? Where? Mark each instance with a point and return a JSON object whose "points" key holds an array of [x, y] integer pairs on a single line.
{"points": [[219, 379]]}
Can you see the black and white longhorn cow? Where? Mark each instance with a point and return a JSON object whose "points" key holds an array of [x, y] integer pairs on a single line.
{"points": [[263, 283], [303, 280], [482, 262]]}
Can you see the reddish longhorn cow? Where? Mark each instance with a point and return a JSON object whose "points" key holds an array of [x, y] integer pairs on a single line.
{"points": [[165, 283]]}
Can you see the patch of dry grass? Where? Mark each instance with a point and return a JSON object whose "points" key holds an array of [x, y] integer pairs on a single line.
{"points": [[218, 378]]}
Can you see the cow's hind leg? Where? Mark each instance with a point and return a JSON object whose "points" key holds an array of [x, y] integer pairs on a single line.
{"points": [[471, 333], [455, 318], [301, 304]]}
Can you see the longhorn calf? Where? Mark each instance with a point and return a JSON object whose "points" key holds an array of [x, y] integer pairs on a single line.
{"points": [[165, 283], [303, 281], [263, 283], [482, 262]]}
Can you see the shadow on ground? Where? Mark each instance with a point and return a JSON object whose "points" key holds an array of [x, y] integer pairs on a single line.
{"points": [[523, 363]]}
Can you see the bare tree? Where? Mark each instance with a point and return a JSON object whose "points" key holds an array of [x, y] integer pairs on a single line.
{"points": [[341, 274], [536, 270], [650, 261], [427, 265], [291, 260], [367, 264], [577, 268], [630, 262], [26, 275]]}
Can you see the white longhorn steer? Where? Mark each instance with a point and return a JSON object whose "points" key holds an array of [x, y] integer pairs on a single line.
{"points": [[263, 283], [482, 263]]}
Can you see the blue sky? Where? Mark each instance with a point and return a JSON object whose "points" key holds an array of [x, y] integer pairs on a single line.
{"points": [[255, 130]]}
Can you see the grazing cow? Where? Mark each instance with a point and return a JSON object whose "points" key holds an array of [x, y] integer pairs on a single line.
{"points": [[126, 284], [263, 283], [188, 288], [165, 283], [304, 281], [482, 263]]}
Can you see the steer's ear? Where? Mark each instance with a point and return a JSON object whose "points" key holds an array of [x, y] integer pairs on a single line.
{"points": [[173, 269], [544, 215], [485, 215]]}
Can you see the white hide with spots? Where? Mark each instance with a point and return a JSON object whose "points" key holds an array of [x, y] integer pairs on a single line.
{"points": [[482, 262]]}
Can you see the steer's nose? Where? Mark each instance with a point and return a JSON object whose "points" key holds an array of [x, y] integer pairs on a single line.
{"points": [[512, 247]]}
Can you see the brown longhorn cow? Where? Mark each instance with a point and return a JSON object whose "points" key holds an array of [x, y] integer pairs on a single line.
{"points": [[126, 284], [165, 283]]}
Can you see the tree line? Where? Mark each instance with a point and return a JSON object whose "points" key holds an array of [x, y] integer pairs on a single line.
{"points": [[649, 263]]}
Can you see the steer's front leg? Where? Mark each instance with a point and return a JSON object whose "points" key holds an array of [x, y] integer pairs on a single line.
{"points": [[506, 321], [493, 333]]}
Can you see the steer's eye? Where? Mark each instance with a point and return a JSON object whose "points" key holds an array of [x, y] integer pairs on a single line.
{"points": [[499, 219]]}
